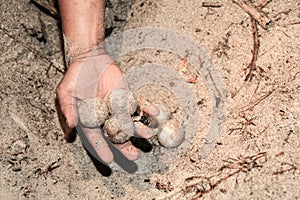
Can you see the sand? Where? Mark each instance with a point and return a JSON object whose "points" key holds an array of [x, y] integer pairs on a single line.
{"points": [[242, 136]]}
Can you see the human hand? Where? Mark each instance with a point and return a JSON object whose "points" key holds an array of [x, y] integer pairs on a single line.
{"points": [[90, 75]]}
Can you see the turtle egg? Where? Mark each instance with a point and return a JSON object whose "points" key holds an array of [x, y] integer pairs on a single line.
{"points": [[92, 112], [170, 134], [119, 128], [121, 101]]}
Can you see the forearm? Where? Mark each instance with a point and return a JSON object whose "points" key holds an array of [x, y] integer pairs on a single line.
{"points": [[83, 25]]}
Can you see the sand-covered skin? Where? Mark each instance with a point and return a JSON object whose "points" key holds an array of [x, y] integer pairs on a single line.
{"points": [[37, 163]]}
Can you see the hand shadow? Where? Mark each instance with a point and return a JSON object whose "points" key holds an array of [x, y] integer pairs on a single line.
{"points": [[69, 133], [127, 165], [70, 137]]}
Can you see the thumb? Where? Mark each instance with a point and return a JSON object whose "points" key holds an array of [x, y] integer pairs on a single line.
{"points": [[68, 105]]}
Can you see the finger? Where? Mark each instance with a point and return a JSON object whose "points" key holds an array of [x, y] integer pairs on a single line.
{"points": [[143, 130], [164, 114], [151, 109], [71, 115], [96, 140], [68, 107], [128, 150], [119, 129]]}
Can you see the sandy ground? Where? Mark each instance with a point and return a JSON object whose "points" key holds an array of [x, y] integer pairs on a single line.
{"points": [[256, 156]]}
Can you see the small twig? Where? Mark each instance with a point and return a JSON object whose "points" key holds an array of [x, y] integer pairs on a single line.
{"points": [[231, 130], [237, 90], [256, 17], [212, 4], [292, 23], [252, 65], [242, 164], [286, 12], [281, 153], [34, 51], [263, 3], [52, 10], [259, 16], [210, 11], [245, 124], [282, 171], [252, 104], [51, 166], [186, 186]]}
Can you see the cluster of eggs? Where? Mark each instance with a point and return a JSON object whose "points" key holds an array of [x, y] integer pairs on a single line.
{"points": [[116, 116]]}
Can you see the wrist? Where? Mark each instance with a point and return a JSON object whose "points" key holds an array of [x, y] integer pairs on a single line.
{"points": [[83, 26], [80, 50]]}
